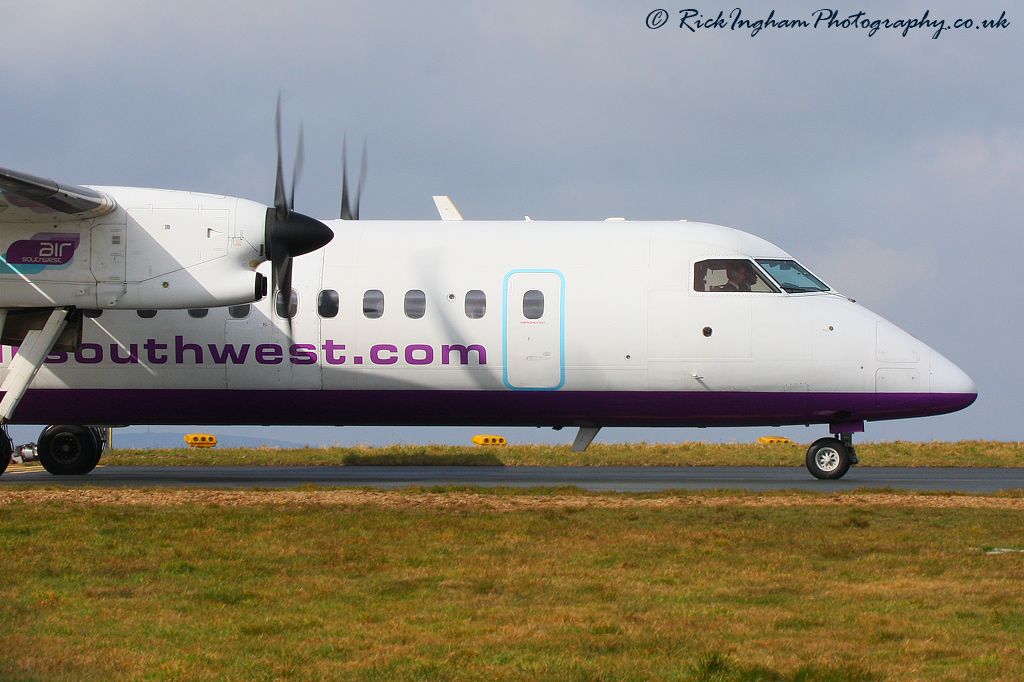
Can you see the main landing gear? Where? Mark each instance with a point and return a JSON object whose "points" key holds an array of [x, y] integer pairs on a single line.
{"points": [[831, 458], [63, 450], [6, 449], [70, 450]]}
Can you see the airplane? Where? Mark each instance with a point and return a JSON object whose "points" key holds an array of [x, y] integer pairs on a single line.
{"points": [[123, 305]]}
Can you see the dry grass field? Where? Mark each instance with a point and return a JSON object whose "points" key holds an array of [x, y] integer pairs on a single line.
{"points": [[315, 584]]}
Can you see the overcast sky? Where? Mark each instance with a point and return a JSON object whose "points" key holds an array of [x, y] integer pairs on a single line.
{"points": [[891, 165]]}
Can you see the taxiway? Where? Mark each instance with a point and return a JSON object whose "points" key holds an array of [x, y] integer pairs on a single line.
{"points": [[616, 479]]}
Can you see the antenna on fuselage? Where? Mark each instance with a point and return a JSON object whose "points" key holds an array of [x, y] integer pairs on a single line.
{"points": [[446, 208]]}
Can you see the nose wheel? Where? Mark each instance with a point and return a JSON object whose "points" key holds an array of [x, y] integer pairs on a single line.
{"points": [[830, 458]]}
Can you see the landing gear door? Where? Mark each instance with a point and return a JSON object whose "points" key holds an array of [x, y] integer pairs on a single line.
{"points": [[534, 329]]}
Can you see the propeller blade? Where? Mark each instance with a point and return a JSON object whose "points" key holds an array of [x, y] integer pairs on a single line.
{"points": [[280, 201], [346, 212], [350, 210], [362, 182], [300, 160], [286, 294]]}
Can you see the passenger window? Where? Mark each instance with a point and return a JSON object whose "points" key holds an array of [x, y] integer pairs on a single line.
{"points": [[198, 313], [415, 304], [239, 312], [730, 274], [476, 304], [146, 314], [533, 304], [373, 304], [327, 303], [293, 305], [92, 313]]}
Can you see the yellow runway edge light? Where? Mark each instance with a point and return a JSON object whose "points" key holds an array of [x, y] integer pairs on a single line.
{"points": [[489, 440]]}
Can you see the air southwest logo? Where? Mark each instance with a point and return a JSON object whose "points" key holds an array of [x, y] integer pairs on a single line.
{"points": [[43, 250], [180, 352]]}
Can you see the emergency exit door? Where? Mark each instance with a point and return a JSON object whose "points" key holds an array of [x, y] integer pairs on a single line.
{"points": [[534, 329]]}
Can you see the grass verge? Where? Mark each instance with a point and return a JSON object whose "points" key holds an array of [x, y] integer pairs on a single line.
{"points": [[316, 584], [961, 454]]}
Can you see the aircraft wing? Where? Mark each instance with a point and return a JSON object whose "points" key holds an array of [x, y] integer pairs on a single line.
{"points": [[27, 198]]}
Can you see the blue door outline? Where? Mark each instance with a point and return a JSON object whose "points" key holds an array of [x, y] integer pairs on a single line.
{"points": [[505, 329]]}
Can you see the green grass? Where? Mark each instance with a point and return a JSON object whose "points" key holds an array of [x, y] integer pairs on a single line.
{"points": [[964, 453], [455, 586]]}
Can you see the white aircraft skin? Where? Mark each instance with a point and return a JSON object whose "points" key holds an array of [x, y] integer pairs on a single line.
{"points": [[630, 333]]}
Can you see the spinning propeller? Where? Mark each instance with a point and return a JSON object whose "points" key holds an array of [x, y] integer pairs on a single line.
{"points": [[353, 212], [289, 233]]}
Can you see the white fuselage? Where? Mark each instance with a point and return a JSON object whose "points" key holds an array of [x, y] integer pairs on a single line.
{"points": [[532, 323]]}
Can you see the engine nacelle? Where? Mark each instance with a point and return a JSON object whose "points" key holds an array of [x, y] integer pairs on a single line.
{"points": [[158, 249]]}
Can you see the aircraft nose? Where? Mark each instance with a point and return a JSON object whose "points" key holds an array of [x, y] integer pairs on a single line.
{"points": [[948, 378]]}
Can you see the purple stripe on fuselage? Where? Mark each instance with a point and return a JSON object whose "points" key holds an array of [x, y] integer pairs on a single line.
{"points": [[473, 408]]}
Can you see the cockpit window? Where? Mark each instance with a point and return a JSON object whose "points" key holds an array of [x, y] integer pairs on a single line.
{"points": [[730, 274], [791, 276]]}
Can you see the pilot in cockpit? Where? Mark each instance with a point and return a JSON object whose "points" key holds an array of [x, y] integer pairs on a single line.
{"points": [[741, 277]]}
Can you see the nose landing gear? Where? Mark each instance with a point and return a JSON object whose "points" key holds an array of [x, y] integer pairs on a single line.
{"points": [[831, 458]]}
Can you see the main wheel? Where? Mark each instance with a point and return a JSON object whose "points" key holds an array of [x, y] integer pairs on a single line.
{"points": [[68, 450], [6, 450], [101, 443], [828, 458]]}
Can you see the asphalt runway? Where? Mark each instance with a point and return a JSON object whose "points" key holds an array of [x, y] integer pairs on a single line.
{"points": [[618, 479]]}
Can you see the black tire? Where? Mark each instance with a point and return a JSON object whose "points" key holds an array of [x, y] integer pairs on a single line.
{"points": [[101, 443], [68, 450], [6, 450], [828, 459]]}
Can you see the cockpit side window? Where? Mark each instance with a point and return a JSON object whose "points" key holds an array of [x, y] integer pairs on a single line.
{"points": [[791, 276], [730, 274]]}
